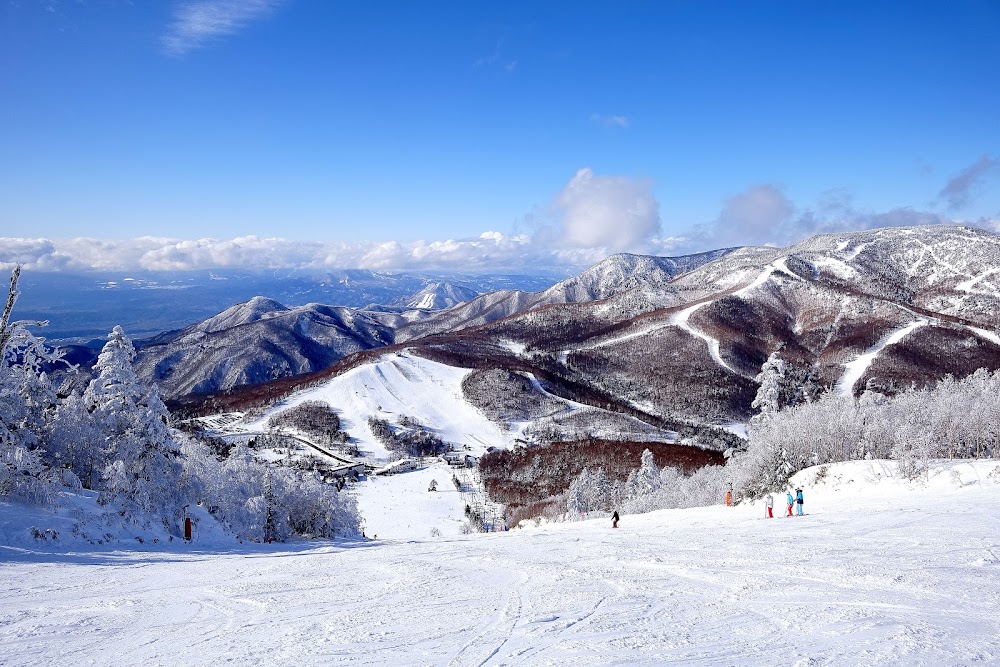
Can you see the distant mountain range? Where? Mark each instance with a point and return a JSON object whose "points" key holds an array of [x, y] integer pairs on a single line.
{"points": [[678, 342], [82, 309], [884, 308], [261, 339]]}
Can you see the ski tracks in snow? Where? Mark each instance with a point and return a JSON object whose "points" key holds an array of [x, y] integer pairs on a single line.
{"points": [[873, 575]]}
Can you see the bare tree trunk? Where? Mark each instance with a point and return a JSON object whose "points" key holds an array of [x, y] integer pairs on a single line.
{"points": [[5, 330]]}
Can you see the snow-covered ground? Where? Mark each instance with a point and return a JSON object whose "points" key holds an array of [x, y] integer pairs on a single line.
{"points": [[403, 385], [400, 506], [880, 571]]}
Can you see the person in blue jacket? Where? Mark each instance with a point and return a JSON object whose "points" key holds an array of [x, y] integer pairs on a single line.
{"points": [[798, 502], [790, 501]]}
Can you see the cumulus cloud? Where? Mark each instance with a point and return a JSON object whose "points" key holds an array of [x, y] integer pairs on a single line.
{"points": [[32, 252], [246, 251], [612, 212], [197, 24], [764, 215], [960, 189], [490, 251], [759, 214]]}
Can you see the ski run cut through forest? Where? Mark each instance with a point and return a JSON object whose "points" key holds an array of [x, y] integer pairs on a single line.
{"points": [[877, 572]]}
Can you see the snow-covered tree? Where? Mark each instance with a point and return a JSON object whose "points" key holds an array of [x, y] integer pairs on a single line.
{"points": [[135, 450], [590, 492], [771, 395], [27, 402], [576, 496]]}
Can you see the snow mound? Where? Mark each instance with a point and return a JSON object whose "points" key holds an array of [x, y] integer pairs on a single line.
{"points": [[883, 478]]}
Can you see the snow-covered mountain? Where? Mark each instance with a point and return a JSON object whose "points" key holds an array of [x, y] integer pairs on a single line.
{"points": [[884, 308], [890, 307], [254, 342], [676, 341], [81, 308], [291, 341], [437, 296], [615, 275]]}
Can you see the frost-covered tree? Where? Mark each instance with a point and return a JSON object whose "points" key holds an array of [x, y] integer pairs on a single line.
{"points": [[258, 502], [646, 479], [771, 395], [590, 492], [601, 493], [576, 495], [783, 385], [27, 402], [133, 446]]}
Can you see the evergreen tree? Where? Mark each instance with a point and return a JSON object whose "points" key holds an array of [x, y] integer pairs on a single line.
{"points": [[577, 495], [26, 403], [771, 393], [648, 476], [133, 447]]}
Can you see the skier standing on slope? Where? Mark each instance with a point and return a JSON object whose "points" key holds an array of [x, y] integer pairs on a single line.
{"points": [[614, 520], [769, 507], [790, 501], [798, 501]]}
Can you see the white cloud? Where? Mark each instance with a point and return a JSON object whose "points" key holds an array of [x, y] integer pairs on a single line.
{"points": [[612, 212], [760, 214], [490, 251], [246, 251], [610, 120], [197, 24], [763, 215]]}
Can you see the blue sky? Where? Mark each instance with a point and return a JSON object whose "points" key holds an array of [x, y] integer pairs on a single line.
{"points": [[347, 129]]}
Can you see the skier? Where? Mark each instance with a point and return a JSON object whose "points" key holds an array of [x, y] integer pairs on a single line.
{"points": [[790, 501], [614, 520], [769, 505], [798, 501]]}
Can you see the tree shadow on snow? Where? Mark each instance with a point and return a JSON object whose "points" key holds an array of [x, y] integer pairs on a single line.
{"points": [[124, 554]]}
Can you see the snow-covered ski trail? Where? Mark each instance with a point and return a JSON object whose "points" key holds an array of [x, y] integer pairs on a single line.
{"points": [[988, 335], [397, 385], [882, 572], [681, 319], [855, 370]]}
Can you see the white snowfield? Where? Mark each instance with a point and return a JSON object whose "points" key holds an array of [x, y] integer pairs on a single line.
{"points": [[879, 572], [403, 385]]}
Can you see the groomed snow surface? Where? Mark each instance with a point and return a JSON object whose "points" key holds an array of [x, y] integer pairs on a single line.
{"points": [[879, 571]]}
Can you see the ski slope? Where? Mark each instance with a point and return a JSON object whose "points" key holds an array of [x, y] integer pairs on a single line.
{"points": [[681, 320], [854, 370], [400, 506], [879, 572], [402, 385]]}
